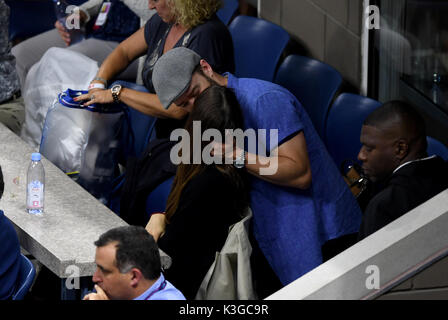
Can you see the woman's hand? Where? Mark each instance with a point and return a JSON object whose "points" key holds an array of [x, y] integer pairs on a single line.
{"points": [[96, 96], [156, 225], [228, 152]]}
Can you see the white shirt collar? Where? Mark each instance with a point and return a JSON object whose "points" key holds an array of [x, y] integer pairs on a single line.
{"points": [[409, 162]]}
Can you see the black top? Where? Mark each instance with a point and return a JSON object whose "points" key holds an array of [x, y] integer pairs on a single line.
{"points": [[410, 186], [208, 206], [142, 176], [211, 40], [121, 23]]}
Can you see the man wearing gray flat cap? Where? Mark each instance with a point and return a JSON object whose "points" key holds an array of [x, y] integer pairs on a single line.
{"points": [[302, 204]]}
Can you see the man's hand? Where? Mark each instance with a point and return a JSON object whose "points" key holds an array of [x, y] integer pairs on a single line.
{"points": [[65, 35], [96, 96], [156, 226], [99, 295], [228, 152], [63, 32]]}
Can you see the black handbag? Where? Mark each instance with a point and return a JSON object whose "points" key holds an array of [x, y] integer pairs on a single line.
{"points": [[142, 176]]}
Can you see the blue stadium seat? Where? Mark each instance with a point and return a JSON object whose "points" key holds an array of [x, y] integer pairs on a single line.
{"points": [[258, 45], [135, 138], [228, 10], [27, 273], [436, 147], [156, 201], [314, 84], [29, 18], [344, 123]]}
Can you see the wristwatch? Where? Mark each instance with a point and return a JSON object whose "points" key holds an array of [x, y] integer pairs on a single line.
{"points": [[116, 90], [240, 159]]}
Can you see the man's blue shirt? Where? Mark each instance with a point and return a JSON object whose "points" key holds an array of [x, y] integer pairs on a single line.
{"points": [[291, 224], [161, 290]]}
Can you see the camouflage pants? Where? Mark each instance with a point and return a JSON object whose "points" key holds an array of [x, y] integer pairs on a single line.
{"points": [[12, 114]]}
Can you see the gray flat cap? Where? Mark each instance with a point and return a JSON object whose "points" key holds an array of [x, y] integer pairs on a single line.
{"points": [[172, 73]]}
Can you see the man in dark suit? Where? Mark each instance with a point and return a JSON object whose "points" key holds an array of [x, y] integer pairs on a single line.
{"points": [[394, 158]]}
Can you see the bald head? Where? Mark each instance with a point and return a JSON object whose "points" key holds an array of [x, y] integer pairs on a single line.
{"points": [[391, 135]]}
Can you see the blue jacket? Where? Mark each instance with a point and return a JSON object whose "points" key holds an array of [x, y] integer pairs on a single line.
{"points": [[9, 258]]}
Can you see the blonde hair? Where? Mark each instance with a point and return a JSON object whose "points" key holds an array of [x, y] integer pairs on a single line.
{"points": [[191, 13]]}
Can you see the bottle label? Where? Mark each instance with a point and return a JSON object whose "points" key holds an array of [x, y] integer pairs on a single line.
{"points": [[102, 16], [35, 195]]}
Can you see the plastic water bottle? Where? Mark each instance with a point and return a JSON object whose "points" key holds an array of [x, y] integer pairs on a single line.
{"points": [[60, 7], [35, 182]]}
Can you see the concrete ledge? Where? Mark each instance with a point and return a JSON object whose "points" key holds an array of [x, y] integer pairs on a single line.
{"points": [[399, 251], [73, 219]]}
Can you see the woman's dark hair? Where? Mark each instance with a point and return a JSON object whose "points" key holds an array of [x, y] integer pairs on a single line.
{"points": [[215, 108]]}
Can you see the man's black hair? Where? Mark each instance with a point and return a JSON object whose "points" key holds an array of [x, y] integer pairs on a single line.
{"points": [[136, 248], [397, 112], [402, 114]]}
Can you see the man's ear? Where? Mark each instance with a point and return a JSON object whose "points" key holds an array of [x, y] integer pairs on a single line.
{"points": [[206, 68], [402, 149], [136, 277]]}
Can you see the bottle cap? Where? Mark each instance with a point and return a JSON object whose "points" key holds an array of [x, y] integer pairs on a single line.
{"points": [[35, 156]]}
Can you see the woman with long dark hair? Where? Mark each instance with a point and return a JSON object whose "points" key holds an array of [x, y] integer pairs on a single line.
{"points": [[205, 199]]}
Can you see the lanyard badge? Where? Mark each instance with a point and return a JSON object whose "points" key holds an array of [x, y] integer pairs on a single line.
{"points": [[102, 16]]}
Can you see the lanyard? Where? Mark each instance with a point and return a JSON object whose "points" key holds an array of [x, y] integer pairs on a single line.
{"points": [[102, 16], [160, 288]]}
